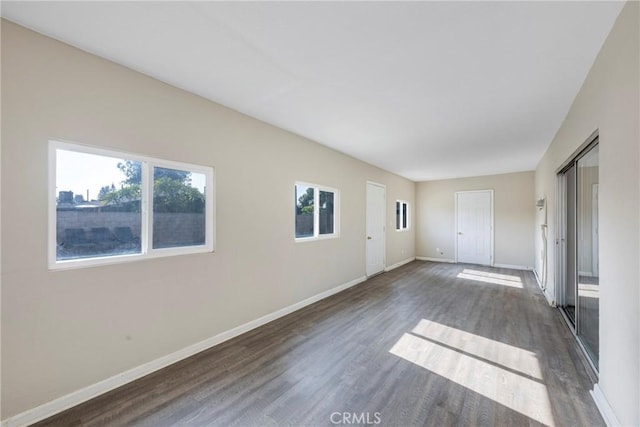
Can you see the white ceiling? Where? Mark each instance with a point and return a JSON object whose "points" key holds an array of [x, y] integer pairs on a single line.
{"points": [[428, 90]]}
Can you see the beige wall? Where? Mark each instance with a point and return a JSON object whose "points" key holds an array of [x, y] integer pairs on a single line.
{"points": [[514, 210], [608, 102], [65, 330]]}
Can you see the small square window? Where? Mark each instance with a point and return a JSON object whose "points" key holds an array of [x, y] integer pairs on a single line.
{"points": [[316, 210]]}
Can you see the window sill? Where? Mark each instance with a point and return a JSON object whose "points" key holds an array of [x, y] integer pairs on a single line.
{"points": [[121, 259], [316, 238]]}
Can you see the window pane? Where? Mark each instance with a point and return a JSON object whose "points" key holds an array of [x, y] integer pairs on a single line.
{"points": [[304, 211], [398, 218], [404, 215], [326, 212], [97, 206], [178, 208], [588, 257]]}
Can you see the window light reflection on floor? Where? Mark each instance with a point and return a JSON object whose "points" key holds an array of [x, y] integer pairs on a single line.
{"points": [[495, 278], [503, 373]]}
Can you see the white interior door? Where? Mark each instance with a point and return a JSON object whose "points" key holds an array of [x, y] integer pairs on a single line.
{"points": [[376, 218], [474, 227]]}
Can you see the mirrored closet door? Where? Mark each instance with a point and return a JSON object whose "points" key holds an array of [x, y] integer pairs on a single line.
{"points": [[577, 243]]}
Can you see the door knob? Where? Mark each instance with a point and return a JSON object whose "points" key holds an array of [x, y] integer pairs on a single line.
{"points": [[369, 237]]}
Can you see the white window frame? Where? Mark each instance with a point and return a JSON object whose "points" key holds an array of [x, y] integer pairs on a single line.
{"points": [[316, 212], [146, 207], [408, 218]]}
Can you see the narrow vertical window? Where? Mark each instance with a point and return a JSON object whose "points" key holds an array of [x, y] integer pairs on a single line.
{"points": [[402, 215], [326, 212], [305, 209], [179, 208]]}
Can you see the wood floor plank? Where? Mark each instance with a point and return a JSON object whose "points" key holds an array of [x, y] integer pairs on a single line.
{"points": [[426, 344]]}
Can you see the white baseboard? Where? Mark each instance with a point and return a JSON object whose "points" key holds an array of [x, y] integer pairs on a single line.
{"points": [[426, 258], [399, 264], [603, 406], [513, 267], [549, 298], [537, 276], [77, 397], [545, 292]]}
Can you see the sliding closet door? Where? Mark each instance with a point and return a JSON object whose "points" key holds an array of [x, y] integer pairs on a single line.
{"points": [[587, 239], [570, 272], [577, 256]]}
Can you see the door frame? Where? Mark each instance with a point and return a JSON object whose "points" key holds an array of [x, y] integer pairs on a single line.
{"points": [[561, 264], [491, 231], [561, 245], [384, 228], [595, 231]]}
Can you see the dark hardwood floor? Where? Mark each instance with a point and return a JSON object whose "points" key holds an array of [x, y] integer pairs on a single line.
{"points": [[425, 344]]}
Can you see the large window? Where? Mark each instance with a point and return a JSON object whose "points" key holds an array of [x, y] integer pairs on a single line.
{"points": [[402, 215], [108, 207], [316, 210]]}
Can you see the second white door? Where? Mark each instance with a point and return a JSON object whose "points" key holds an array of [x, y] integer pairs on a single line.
{"points": [[375, 246], [474, 227]]}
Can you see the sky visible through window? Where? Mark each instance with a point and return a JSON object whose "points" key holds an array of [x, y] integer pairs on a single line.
{"points": [[82, 172]]}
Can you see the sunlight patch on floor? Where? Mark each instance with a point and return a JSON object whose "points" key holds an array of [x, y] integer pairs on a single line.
{"points": [[479, 365], [511, 357], [495, 278]]}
